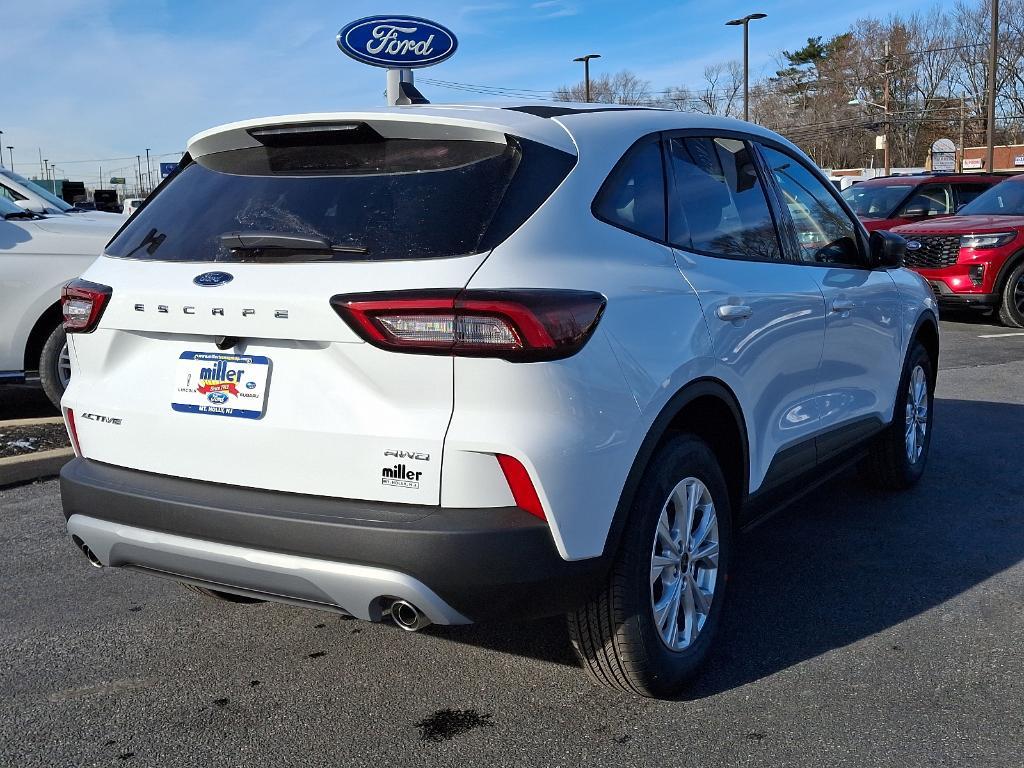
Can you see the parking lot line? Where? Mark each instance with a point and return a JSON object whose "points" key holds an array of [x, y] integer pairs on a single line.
{"points": [[999, 335]]}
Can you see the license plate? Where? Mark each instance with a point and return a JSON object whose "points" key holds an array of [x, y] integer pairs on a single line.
{"points": [[221, 385]]}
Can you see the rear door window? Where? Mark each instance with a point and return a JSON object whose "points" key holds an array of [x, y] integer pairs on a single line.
{"points": [[965, 193], [929, 200], [633, 195], [719, 205], [370, 198]]}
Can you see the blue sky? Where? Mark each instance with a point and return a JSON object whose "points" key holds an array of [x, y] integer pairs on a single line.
{"points": [[104, 79]]}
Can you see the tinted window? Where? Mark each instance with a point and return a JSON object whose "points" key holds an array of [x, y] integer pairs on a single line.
{"points": [[825, 232], [633, 195], [875, 201], [373, 198], [929, 200], [965, 193], [720, 205], [1004, 199]]}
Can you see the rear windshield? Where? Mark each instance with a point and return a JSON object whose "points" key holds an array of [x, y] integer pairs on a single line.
{"points": [[1004, 199], [372, 199]]}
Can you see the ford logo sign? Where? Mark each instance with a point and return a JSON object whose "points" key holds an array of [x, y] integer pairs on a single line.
{"points": [[913, 245], [217, 398], [211, 279], [397, 41]]}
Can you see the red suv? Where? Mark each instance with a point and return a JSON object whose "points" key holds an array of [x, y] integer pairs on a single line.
{"points": [[890, 201], [976, 258]]}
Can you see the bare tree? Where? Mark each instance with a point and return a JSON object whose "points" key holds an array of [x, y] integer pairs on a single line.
{"points": [[621, 88]]}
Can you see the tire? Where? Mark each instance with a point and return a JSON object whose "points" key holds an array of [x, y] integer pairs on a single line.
{"points": [[1011, 307], [615, 634], [53, 375], [214, 594], [888, 464]]}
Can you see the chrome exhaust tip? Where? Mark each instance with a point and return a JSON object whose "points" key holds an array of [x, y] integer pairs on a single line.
{"points": [[408, 617], [90, 555]]}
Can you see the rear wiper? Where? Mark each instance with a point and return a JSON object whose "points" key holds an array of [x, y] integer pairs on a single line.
{"points": [[276, 243]]}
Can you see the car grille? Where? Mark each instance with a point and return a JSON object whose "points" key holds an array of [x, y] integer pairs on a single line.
{"points": [[936, 251]]}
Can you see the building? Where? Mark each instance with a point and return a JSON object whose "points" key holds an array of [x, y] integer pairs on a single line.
{"points": [[1005, 158]]}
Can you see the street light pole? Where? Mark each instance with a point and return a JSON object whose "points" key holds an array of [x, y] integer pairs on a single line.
{"points": [[586, 71], [10, 152], [990, 110], [745, 23], [149, 174]]}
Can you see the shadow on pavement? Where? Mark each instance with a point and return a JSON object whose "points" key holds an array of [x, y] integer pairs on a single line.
{"points": [[24, 401], [847, 562]]}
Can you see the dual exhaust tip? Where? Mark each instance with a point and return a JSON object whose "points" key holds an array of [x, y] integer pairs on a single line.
{"points": [[408, 617]]}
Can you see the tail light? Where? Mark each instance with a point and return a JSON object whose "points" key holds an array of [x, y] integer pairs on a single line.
{"points": [[519, 325], [83, 303]]}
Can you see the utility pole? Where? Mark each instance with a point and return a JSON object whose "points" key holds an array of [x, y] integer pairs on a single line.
{"points": [[963, 120], [10, 151], [885, 104], [990, 109], [149, 174], [745, 22], [40, 161], [138, 161], [46, 170], [586, 71]]}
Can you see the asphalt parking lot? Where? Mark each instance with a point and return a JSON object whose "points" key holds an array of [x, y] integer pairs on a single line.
{"points": [[864, 630]]}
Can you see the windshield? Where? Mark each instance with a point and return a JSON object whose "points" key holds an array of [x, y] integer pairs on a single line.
{"points": [[1004, 199], [877, 201], [376, 199], [6, 207], [49, 197]]}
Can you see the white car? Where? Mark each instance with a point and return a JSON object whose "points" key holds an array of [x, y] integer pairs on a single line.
{"points": [[456, 363], [38, 256], [30, 196], [131, 205]]}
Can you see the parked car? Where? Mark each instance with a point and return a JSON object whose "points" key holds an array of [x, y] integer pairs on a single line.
{"points": [[38, 256], [131, 205], [32, 197], [976, 258], [452, 364], [889, 201]]}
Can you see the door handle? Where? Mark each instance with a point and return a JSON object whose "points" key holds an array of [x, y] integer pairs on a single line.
{"points": [[734, 312], [843, 305]]}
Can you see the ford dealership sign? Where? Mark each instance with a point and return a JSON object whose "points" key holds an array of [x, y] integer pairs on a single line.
{"points": [[397, 42]]}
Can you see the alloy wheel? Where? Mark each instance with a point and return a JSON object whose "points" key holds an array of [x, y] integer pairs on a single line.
{"points": [[684, 564], [64, 367], [917, 414]]}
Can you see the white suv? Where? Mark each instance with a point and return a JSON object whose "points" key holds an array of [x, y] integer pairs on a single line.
{"points": [[456, 363]]}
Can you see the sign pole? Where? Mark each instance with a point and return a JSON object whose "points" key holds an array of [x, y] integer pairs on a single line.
{"points": [[397, 76]]}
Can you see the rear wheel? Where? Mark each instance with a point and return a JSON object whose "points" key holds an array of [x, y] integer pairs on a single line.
{"points": [[651, 626], [215, 594], [897, 458], [55, 365], [1011, 308]]}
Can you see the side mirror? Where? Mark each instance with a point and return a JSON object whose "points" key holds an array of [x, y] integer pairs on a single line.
{"points": [[917, 212], [886, 250], [28, 205]]}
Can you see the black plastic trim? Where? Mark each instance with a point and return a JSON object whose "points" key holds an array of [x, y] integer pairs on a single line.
{"points": [[486, 563]]}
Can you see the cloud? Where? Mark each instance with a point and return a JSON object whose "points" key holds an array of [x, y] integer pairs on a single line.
{"points": [[554, 9]]}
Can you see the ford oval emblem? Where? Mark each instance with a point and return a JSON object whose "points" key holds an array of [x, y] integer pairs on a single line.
{"points": [[913, 245], [397, 41], [211, 279]]}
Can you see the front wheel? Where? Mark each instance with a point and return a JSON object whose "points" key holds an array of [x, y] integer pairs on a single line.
{"points": [[1011, 308], [897, 457], [651, 626]]}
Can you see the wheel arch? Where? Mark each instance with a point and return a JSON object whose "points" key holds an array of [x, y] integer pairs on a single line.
{"points": [[926, 330], [701, 407], [52, 317], [1011, 263]]}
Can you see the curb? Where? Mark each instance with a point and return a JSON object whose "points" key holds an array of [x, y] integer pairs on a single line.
{"points": [[33, 466], [32, 422]]}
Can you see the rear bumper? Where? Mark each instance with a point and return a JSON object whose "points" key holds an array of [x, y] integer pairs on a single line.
{"points": [[460, 564]]}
